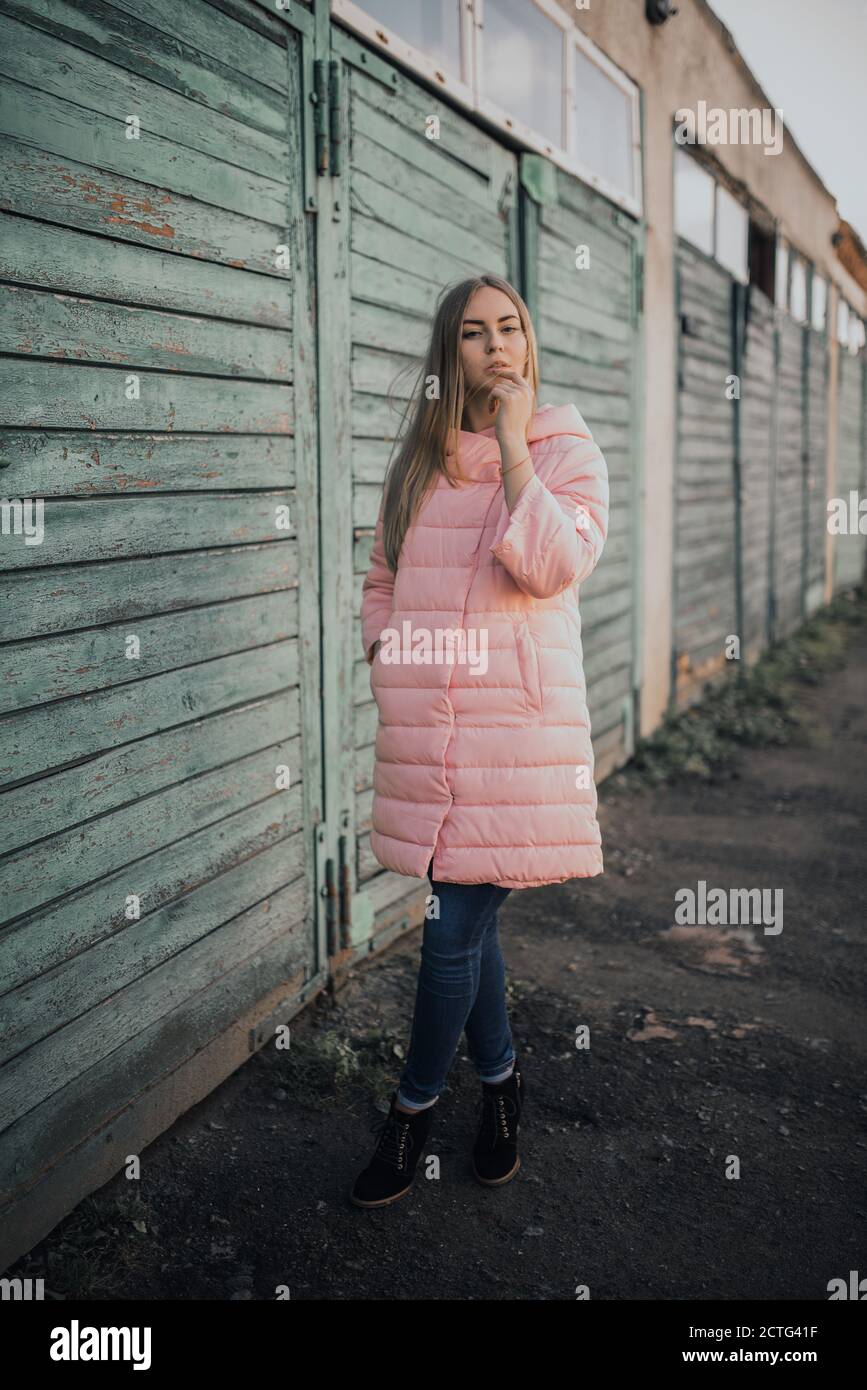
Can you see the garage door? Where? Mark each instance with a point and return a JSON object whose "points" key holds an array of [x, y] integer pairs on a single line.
{"points": [[414, 214], [159, 710], [705, 536], [851, 451], [587, 323]]}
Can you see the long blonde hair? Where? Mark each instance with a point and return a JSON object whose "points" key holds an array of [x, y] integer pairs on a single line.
{"points": [[432, 432]]}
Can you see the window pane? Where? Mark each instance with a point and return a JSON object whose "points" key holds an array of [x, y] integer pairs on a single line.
{"points": [[842, 320], [781, 284], [856, 333], [798, 302], [732, 230], [820, 293], [693, 202], [522, 65], [431, 26], [602, 124]]}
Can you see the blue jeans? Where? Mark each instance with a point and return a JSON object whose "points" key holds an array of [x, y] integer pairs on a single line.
{"points": [[461, 985]]}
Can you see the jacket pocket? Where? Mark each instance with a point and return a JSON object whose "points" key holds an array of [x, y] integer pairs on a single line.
{"points": [[529, 667], [374, 673]]}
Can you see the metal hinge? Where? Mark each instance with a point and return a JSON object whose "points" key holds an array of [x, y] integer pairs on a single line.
{"points": [[356, 909], [507, 194], [639, 285], [349, 916], [326, 886], [319, 97], [335, 68], [326, 99]]}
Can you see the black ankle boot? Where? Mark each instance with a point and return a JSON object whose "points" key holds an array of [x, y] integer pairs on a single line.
{"points": [[390, 1172], [495, 1154]]}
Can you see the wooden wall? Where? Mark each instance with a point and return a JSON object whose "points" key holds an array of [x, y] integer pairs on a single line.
{"points": [[156, 881], [851, 462], [587, 324], [705, 555]]}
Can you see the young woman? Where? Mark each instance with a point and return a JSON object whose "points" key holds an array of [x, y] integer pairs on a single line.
{"points": [[493, 513]]}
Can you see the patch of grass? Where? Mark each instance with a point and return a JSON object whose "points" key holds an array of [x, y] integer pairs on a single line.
{"points": [[318, 1069], [101, 1245], [757, 707]]}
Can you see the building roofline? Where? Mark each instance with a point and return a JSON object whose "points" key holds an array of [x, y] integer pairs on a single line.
{"points": [[729, 40]]}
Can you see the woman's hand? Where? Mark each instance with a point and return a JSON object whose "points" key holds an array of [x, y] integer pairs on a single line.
{"points": [[515, 405]]}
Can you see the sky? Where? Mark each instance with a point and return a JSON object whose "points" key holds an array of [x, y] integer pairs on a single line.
{"points": [[810, 58]]}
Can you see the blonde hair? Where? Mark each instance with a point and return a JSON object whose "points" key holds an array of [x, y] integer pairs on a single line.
{"points": [[432, 431]]}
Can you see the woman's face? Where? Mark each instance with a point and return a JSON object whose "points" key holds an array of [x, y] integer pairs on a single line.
{"points": [[491, 334]]}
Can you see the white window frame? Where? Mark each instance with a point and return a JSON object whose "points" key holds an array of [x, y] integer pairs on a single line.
{"points": [[816, 281], [799, 262], [742, 279], [466, 92], [842, 319], [354, 17], [497, 115], [782, 249], [680, 154], [629, 88]]}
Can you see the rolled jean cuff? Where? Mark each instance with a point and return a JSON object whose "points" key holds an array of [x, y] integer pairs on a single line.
{"points": [[411, 1104], [501, 1076]]}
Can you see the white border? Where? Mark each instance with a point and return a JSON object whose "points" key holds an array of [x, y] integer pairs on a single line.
{"points": [[465, 90]]}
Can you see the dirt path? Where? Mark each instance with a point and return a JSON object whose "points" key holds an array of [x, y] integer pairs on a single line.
{"points": [[706, 1042]]}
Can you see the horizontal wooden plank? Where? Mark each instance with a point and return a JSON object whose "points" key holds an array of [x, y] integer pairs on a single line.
{"points": [[36, 324], [51, 64], [56, 866], [382, 326], [552, 308], [36, 944], [406, 251], [34, 463], [588, 285], [93, 788], [53, 395], [64, 598], [403, 113], [377, 283], [216, 82], [209, 941], [54, 668], [65, 129], [109, 528], [575, 371], [84, 1111], [56, 735], [380, 208], [41, 185], [560, 228], [237, 35], [35, 253]]}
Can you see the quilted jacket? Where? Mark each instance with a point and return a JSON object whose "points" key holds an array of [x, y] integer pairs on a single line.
{"points": [[483, 759]]}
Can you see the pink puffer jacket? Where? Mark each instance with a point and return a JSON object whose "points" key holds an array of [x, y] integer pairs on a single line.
{"points": [[483, 755]]}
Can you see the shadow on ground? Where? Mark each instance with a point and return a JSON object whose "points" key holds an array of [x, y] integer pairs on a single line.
{"points": [[707, 1044]]}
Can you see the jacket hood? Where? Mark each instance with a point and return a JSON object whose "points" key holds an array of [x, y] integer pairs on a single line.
{"points": [[480, 452]]}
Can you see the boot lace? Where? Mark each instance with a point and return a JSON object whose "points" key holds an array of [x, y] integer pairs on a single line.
{"points": [[394, 1141], [495, 1113]]}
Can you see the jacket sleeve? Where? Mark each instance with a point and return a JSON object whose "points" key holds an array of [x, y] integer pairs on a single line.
{"points": [[557, 529], [376, 594]]}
